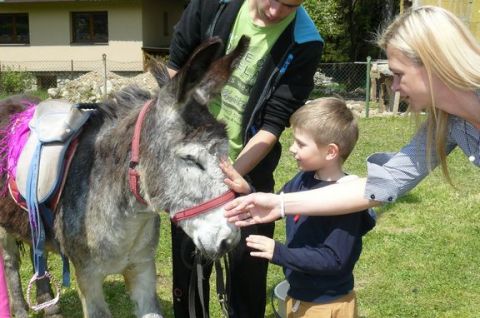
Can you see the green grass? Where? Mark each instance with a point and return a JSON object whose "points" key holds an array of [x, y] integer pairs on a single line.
{"points": [[42, 94], [421, 260]]}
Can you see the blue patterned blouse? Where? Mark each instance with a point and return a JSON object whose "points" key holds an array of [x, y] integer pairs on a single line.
{"points": [[391, 175]]}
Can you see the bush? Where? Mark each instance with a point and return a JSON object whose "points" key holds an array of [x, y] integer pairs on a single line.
{"points": [[15, 81], [329, 89]]}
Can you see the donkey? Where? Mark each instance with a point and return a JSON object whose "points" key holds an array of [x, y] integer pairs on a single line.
{"points": [[100, 225]]}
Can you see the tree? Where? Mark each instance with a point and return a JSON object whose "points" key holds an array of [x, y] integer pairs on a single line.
{"points": [[349, 26], [328, 17]]}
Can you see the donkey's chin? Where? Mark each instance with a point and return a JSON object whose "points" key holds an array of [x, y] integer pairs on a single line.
{"points": [[215, 252], [215, 246]]}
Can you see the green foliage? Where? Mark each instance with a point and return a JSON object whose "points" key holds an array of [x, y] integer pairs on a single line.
{"points": [[328, 17], [329, 89], [42, 94], [334, 89], [15, 81], [349, 27]]}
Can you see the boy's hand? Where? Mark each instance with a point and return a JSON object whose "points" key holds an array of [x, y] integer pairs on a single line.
{"points": [[263, 244], [233, 179]]}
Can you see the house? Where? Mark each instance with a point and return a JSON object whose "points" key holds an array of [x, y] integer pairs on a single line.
{"points": [[56, 38]]}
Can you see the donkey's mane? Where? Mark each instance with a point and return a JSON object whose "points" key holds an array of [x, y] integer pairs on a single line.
{"points": [[132, 96], [123, 102]]}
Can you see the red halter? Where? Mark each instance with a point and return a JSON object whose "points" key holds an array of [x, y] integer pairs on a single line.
{"points": [[204, 207], [134, 176]]}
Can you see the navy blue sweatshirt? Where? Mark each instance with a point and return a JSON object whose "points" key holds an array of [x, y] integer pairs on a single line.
{"points": [[320, 251]]}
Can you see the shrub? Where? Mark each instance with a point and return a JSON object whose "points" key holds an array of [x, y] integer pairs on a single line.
{"points": [[15, 81]]}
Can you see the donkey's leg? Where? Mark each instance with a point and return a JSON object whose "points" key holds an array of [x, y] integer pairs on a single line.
{"points": [[140, 280], [11, 257], [91, 294]]}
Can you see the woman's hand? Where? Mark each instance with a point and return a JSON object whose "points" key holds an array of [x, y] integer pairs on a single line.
{"points": [[264, 246], [233, 179], [254, 208]]}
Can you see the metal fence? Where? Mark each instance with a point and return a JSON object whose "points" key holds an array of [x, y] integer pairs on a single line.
{"points": [[350, 80], [347, 80], [48, 74]]}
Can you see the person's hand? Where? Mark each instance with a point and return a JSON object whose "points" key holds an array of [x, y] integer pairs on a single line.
{"points": [[264, 246], [254, 208], [233, 179]]}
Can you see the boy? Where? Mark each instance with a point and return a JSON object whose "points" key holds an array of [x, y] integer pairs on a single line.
{"points": [[320, 251]]}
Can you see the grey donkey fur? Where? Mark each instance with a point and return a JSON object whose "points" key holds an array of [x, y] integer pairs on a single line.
{"points": [[99, 224]]}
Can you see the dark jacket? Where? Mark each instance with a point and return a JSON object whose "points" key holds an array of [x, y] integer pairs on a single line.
{"points": [[282, 85], [320, 251]]}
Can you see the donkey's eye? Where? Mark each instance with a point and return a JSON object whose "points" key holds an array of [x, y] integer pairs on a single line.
{"points": [[190, 160]]}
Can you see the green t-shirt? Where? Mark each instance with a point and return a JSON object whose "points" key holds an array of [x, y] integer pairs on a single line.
{"points": [[234, 96]]}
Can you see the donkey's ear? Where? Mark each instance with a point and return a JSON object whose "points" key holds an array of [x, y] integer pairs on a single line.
{"points": [[196, 67], [158, 70], [219, 73]]}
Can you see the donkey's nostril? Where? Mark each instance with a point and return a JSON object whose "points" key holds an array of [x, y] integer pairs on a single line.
{"points": [[228, 244], [224, 246]]}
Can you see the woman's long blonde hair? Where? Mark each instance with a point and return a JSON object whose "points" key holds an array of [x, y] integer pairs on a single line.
{"points": [[435, 38]]}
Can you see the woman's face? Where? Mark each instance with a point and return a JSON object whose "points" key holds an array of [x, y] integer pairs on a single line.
{"points": [[410, 79]]}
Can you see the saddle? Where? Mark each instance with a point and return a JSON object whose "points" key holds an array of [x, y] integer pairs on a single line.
{"points": [[53, 126], [40, 174]]}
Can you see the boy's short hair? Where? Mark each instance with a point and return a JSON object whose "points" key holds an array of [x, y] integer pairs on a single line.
{"points": [[329, 121]]}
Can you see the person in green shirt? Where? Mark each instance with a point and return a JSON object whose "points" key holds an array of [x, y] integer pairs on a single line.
{"points": [[273, 79]]}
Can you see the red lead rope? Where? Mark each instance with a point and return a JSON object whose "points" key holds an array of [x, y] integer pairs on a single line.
{"points": [[204, 207], [133, 175]]}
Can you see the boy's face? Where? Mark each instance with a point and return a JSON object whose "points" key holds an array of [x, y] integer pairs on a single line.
{"points": [[309, 156]]}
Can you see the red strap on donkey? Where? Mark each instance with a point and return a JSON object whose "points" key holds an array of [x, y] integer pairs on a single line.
{"points": [[204, 207], [133, 175]]}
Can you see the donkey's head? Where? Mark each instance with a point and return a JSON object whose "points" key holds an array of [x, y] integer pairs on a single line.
{"points": [[191, 146]]}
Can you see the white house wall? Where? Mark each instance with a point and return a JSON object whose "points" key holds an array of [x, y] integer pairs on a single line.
{"points": [[50, 37], [159, 18]]}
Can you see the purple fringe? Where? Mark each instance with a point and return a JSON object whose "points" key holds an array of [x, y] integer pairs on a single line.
{"points": [[12, 139]]}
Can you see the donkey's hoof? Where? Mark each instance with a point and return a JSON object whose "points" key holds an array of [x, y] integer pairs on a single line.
{"points": [[52, 312], [20, 314], [49, 314]]}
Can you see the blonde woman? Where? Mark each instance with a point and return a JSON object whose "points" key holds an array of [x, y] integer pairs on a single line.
{"points": [[436, 72]]}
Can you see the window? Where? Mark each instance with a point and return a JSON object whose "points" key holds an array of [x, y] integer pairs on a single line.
{"points": [[46, 81], [89, 27], [165, 24], [14, 28]]}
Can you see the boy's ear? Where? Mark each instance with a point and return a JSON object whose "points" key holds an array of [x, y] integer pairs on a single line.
{"points": [[332, 151]]}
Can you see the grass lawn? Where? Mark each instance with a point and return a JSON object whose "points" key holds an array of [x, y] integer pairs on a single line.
{"points": [[421, 260], [42, 94]]}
